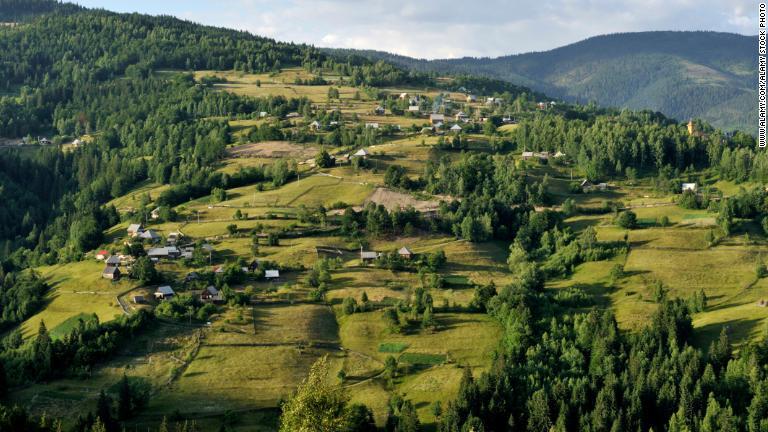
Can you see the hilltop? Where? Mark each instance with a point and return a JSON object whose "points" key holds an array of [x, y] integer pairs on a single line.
{"points": [[685, 75]]}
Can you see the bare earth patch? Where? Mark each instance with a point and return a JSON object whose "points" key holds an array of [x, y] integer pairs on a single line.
{"points": [[272, 149], [397, 200]]}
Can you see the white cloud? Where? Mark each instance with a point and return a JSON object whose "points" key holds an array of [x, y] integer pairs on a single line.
{"points": [[453, 28]]}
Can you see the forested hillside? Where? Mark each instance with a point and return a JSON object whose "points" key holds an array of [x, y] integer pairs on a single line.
{"points": [[684, 75], [227, 232]]}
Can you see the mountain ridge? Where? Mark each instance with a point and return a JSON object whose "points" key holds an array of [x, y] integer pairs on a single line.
{"points": [[695, 74]]}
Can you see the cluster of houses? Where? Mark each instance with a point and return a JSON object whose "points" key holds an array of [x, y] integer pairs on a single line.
{"points": [[368, 257], [543, 156], [111, 265]]}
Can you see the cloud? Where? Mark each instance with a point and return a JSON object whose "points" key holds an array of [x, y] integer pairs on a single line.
{"points": [[453, 28]]}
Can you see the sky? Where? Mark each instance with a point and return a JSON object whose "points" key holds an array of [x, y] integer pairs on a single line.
{"points": [[450, 28]]}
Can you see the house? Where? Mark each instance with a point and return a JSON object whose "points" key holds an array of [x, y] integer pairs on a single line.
{"points": [[262, 114], [602, 186], [471, 98], [427, 130], [414, 108], [559, 154], [77, 143], [461, 116], [456, 128], [314, 125], [542, 105], [693, 187], [164, 293], [45, 141], [379, 110], [164, 252], [150, 235], [155, 214], [367, 256], [113, 261], [272, 275], [173, 238], [403, 96], [507, 120], [191, 276], [493, 101], [372, 125], [526, 155], [361, 153], [211, 294], [139, 299], [404, 252], [586, 185], [102, 255], [111, 272], [134, 230], [436, 118], [292, 115]]}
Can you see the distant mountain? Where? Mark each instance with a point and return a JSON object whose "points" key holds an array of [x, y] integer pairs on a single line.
{"points": [[685, 75], [20, 10]]}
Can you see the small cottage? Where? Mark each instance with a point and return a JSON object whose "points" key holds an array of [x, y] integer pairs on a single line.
{"points": [[164, 293], [405, 253], [111, 273]]}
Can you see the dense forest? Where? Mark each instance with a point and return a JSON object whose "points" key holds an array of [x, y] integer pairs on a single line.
{"points": [[685, 75]]}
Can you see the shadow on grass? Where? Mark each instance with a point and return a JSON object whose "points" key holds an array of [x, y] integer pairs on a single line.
{"points": [[738, 330]]}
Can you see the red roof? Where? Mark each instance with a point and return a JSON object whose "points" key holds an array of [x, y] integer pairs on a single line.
{"points": [[102, 252]]}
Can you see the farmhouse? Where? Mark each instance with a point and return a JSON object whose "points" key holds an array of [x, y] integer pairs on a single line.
{"points": [[314, 125], [111, 273], [461, 116], [471, 98], [272, 275], [368, 256], [361, 153], [456, 128], [164, 293], [404, 252], [211, 294], [436, 118], [173, 238], [113, 261], [155, 214], [134, 230], [164, 252], [689, 187], [150, 235], [102, 254]]}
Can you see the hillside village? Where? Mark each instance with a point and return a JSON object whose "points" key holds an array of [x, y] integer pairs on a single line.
{"points": [[439, 253]]}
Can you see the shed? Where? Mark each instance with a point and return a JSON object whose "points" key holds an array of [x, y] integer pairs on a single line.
{"points": [[414, 108], [139, 299], [150, 235], [272, 274], [111, 273], [368, 256], [455, 128], [379, 110], [361, 153], [155, 214], [211, 294], [164, 292], [404, 252], [435, 118]]}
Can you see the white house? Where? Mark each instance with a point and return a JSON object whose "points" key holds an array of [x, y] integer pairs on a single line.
{"points": [[414, 108], [314, 125], [693, 187], [272, 274]]}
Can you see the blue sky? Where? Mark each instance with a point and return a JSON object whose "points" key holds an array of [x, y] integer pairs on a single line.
{"points": [[450, 28]]}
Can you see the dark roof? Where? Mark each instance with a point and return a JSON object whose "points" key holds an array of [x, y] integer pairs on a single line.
{"points": [[111, 270]]}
